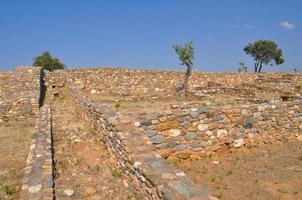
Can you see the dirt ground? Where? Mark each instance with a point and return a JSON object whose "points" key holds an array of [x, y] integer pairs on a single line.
{"points": [[82, 162], [270, 172], [15, 140]]}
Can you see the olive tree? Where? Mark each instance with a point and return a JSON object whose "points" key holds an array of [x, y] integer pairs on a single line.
{"points": [[264, 52], [186, 56], [46, 61]]}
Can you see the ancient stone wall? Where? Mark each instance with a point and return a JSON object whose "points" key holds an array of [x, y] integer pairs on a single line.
{"points": [[20, 94], [38, 179], [149, 175], [159, 84], [184, 130]]}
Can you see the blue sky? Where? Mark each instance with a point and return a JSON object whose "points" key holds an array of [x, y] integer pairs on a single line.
{"points": [[140, 33]]}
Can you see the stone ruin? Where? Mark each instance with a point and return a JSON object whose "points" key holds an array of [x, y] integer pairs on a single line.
{"points": [[253, 109]]}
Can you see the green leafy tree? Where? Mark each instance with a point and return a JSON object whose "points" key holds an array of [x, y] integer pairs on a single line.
{"points": [[242, 67], [264, 52], [46, 61], [186, 56]]}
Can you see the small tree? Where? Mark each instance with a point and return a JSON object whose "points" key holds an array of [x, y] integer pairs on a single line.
{"points": [[46, 61], [264, 52], [186, 56], [242, 67]]}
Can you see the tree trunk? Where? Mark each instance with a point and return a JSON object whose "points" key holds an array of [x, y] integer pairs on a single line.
{"points": [[186, 77], [256, 67], [259, 70]]}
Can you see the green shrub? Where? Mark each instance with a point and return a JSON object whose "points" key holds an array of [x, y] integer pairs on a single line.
{"points": [[10, 190]]}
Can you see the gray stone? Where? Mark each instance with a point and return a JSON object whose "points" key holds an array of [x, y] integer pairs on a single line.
{"points": [[239, 134], [171, 144], [150, 133], [202, 110], [248, 122], [146, 123], [182, 187], [195, 145], [190, 136], [216, 118], [181, 147], [194, 115], [157, 139], [186, 124]]}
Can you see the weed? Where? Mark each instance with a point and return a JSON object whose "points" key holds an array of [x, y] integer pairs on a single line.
{"points": [[115, 173], [300, 158], [129, 195], [77, 161], [97, 168], [10, 190], [229, 172], [117, 105], [213, 179], [5, 119]]}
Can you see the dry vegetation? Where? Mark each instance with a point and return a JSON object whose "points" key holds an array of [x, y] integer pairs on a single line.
{"points": [[15, 139]]}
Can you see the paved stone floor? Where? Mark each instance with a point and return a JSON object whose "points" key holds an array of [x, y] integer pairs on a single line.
{"points": [[84, 169]]}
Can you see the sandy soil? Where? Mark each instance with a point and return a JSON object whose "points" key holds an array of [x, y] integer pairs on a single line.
{"points": [[270, 172]]}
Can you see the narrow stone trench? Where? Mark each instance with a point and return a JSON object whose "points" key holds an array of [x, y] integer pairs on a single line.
{"points": [[84, 168]]}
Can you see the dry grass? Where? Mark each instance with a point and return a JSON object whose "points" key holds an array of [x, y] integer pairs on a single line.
{"points": [[15, 140]]}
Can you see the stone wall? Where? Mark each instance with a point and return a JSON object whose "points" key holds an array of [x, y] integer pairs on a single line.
{"points": [[149, 176], [20, 94], [38, 179], [185, 130], [159, 84]]}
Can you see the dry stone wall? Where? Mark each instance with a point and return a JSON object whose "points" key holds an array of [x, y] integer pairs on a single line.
{"points": [[149, 175], [185, 131], [158, 84], [38, 179], [20, 94]]}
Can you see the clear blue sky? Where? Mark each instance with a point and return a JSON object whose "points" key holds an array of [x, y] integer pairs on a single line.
{"points": [[140, 33]]}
